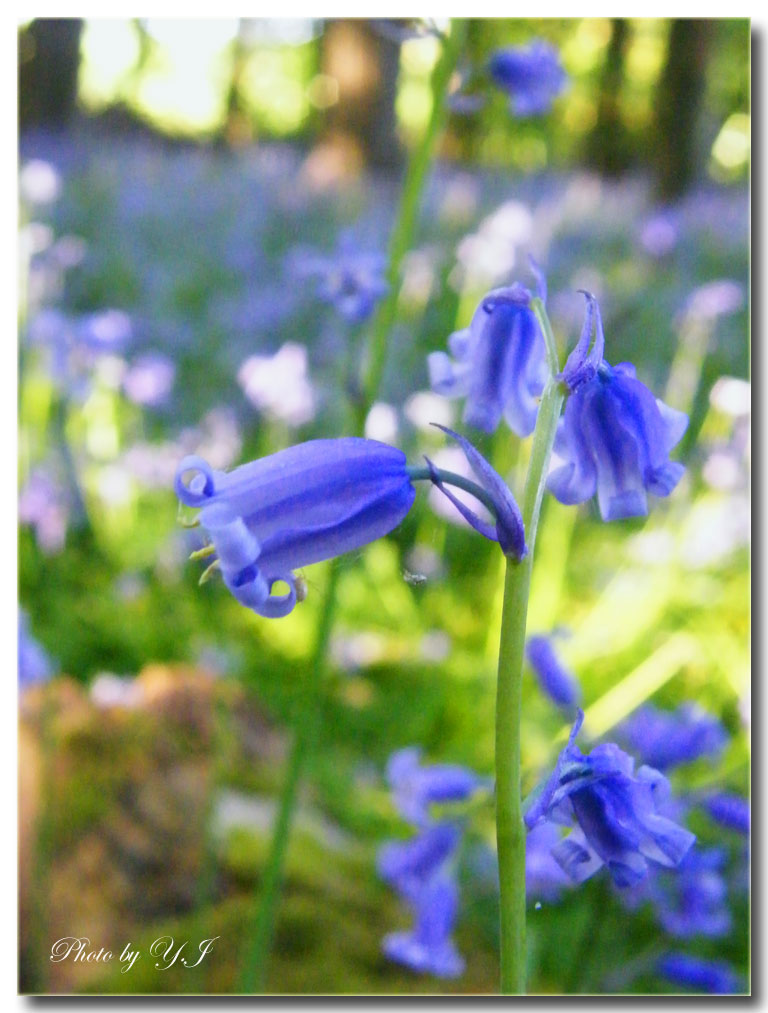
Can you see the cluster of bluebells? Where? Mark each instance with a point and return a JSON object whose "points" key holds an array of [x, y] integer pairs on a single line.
{"points": [[532, 76], [614, 438], [615, 813], [422, 869], [33, 663]]}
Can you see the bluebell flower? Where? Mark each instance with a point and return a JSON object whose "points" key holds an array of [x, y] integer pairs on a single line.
{"points": [[615, 812], [499, 363], [350, 279], [544, 878], [665, 739], [714, 977], [615, 436], [554, 678], [33, 663], [508, 529], [407, 865], [301, 505], [694, 900], [428, 948], [730, 811], [416, 787], [531, 75]]}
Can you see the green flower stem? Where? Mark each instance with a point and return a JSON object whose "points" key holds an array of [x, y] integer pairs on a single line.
{"points": [[254, 974], [510, 829], [254, 970], [401, 239]]}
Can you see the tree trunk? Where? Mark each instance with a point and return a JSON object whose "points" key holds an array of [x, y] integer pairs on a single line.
{"points": [[678, 99], [49, 60]]}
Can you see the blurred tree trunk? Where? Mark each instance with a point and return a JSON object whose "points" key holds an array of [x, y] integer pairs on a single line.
{"points": [[49, 61], [608, 146], [678, 99], [365, 66]]}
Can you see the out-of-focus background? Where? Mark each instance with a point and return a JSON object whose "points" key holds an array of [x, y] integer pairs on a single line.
{"points": [[169, 172]]}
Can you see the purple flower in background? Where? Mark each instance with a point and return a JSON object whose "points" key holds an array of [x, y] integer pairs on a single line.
{"points": [[730, 811], [149, 380], [615, 436], [34, 664], [44, 505], [711, 976], [615, 812], [665, 739], [407, 865], [556, 681], [422, 869], [508, 529], [694, 900], [301, 505], [350, 279], [428, 948], [544, 878], [531, 75], [416, 787], [499, 363], [105, 331]]}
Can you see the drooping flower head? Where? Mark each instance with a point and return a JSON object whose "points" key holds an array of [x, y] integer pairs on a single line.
{"points": [[615, 811], [499, 363], [301, 505], [556, 681], [665, 739], [531, 75], [615, 437], [715, 977]]}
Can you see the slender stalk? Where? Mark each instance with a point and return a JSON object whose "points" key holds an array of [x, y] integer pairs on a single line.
{"points": [[510, 829], [253, 977], [254, 971], [401, 238]]}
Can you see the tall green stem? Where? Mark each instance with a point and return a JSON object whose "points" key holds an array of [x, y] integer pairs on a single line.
{"points": [[402, 235], [254, 972], [253, 978], [510, 829]]}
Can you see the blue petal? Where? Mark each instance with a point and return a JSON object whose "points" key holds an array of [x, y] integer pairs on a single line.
{"points": [[509, 521]]}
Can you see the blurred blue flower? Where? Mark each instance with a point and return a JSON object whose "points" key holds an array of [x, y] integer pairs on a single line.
{"points": [[499, 363], [531, 75], [428, 948], [554, 678], [407, 865], [730, 811], [665, 739], [350, 279], [694, 901], [544, 878], [508, 529], [149, 379], [616, 812], [416, 787], [34, 664], [301, 505], [615, 436], [715, 977]]}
